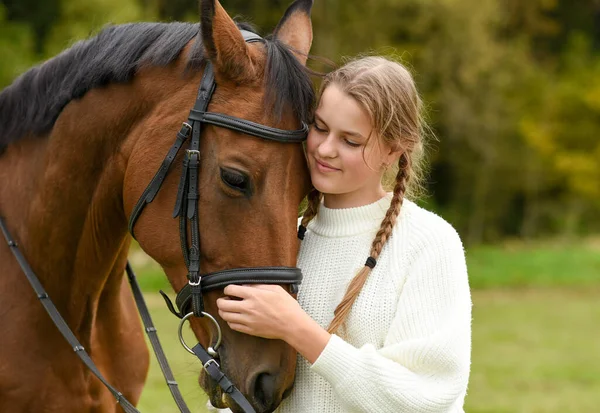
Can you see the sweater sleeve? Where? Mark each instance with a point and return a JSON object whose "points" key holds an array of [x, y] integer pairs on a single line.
{"points": [[424, 363]]}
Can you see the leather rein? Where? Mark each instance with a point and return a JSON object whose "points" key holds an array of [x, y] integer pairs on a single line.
{"points": [[189, 300]]}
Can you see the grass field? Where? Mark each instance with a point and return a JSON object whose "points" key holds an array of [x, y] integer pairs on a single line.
{"points": [[536, 333]]}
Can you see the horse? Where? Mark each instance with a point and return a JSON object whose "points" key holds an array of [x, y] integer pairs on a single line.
{"points": [[81, 137]]}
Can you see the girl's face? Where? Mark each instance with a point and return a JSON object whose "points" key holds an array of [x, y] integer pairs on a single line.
{"points": [[345, 164]]}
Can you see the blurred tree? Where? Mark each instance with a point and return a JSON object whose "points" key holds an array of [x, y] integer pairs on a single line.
{"points": [[564, 131], [512, 88], [16, 48], [39, 15], [79, 20]]}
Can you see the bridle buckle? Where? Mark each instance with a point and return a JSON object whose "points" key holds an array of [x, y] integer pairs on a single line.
{"points": [[208, 363], [188, 128]]}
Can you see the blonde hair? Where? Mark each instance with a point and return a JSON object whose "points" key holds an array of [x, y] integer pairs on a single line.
{"points": [[386, 91]]}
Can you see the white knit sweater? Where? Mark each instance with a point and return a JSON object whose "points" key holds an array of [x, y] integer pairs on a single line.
{"points": [[408, 339]]}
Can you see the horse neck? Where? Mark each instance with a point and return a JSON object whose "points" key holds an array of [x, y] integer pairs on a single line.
{"points": [[74, 231]]}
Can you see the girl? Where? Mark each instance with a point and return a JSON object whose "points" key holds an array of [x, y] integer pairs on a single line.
{"points": [[383, 317]]}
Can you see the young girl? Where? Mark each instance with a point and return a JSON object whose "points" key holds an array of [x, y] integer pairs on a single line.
{"points": [[383, 317]]}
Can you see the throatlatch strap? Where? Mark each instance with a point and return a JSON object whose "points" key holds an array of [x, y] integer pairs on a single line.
{"points": [[158, 179]]}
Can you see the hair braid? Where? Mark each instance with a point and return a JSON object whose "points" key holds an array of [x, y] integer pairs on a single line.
{"points": [[312, 207], [387, 224], [392, 213]]}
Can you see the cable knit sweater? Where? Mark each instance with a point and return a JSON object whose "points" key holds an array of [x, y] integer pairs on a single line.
{"points": [[407, 343]]}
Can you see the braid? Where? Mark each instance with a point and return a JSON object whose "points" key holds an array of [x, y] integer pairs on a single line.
{"points": [[385, 230], [343, 309], [312, 207]]}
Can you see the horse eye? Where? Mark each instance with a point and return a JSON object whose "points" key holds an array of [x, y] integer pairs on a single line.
{"points": [[235, 179]]}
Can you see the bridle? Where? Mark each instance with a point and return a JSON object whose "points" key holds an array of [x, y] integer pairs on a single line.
{"points": [[189, 300]]}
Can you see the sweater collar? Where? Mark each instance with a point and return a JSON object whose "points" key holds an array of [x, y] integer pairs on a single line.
{"points": [[342, 222]]}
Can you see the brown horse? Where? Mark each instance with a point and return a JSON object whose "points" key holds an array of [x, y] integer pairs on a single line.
{"points": [[81, 136]]}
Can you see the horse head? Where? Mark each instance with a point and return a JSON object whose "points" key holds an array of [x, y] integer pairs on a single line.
{"points": [[248, 187]]}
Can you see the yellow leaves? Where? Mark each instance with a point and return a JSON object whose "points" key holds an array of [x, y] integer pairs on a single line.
{"points": [[582, 170], [592, 97], [538, 136]]}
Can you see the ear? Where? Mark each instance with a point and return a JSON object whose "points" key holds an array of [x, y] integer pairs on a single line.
{"points": [[295, 29], [391, 154], [224, 43]]}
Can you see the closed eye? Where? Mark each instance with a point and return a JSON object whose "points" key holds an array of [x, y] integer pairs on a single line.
{"points": [[236, 180], [352, 144], [317, 128]]}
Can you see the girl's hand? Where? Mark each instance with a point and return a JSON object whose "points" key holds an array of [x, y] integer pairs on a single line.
{"points": [[260, 310]]}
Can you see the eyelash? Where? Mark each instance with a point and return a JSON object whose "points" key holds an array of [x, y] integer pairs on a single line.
{"points": [[346, 141]]}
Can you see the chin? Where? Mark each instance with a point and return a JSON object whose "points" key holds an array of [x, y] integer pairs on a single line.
{"points": [[322, 184]]}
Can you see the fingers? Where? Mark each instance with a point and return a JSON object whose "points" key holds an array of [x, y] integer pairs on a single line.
{"points": [[240, 291], [249, 290], [268, 287], [235, 321], [230, 318], [239, 327], [227, 305]]}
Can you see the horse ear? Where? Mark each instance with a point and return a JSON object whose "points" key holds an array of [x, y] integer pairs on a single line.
{"points": [[224, 44], [295, 28]]}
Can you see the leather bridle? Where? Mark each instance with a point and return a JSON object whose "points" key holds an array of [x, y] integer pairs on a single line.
{"points": [[189, 300]]}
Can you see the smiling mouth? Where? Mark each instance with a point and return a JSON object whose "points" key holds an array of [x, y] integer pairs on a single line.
{"points": [[324, 166]]}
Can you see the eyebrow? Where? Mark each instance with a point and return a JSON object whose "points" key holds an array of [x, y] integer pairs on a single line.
{"points": [[355, 134]]}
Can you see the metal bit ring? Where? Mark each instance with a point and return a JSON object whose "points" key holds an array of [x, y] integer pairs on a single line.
{"points": [[211, 350]]}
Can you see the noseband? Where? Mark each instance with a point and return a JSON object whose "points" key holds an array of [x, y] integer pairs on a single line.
{"points": [[189, 300]]}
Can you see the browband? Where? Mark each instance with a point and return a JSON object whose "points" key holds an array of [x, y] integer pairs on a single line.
{"points": [[251, 128]]}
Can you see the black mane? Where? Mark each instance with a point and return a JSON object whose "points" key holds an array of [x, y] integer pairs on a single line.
{"points": [[33, 102]]}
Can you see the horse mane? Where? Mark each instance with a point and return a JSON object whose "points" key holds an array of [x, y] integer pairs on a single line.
{"points": [[33, 102]]}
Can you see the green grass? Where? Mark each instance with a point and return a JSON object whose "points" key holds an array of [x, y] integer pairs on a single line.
{"points": [[533, 266], [534, 351], [536, 332], [512, 265], [156, 397]]}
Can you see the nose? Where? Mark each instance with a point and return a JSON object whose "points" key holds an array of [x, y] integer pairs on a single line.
{"points": [[326, 148], [265, 392]]}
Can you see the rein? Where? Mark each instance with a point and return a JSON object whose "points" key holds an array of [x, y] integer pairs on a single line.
{"points": [[189, 300]]}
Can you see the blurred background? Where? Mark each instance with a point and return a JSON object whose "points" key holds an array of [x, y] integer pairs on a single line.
{"points": [[512, 89]]}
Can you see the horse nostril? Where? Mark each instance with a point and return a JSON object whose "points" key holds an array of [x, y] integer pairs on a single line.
{"points": [[264, 389]]}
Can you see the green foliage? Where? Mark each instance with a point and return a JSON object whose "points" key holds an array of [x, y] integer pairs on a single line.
{"points": [[80, 20], [16, 48], [512, 91]]}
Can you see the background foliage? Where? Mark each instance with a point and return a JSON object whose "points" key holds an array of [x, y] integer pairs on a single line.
{"points": [[512, 87]]}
